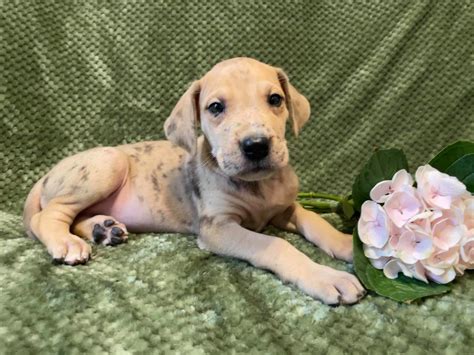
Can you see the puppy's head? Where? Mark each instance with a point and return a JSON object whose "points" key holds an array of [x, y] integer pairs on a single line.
{"points": [[242, 106]]}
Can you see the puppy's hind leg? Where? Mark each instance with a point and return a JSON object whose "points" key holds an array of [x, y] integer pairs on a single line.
{"points": [[71, 186]]}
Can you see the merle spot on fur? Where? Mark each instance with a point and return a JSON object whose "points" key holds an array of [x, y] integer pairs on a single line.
{"points": [[206, 220], [61, 182], [171, 128], [45, 181], [148, 148], [156, 184], [164, 176], [193, 179], [84, 176]]}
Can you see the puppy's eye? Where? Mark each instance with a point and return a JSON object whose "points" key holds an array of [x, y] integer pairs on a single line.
{"points": [[215, 108], [275, 100]]}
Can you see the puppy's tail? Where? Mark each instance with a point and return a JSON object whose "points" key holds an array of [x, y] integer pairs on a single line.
{"points": [[32, 206]]}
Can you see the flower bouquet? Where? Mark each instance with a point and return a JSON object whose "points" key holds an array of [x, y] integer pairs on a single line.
{"points": [[412, 235]]}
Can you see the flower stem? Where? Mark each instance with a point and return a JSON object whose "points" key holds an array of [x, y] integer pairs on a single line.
{"points": [[321, 195], [319, 206]]}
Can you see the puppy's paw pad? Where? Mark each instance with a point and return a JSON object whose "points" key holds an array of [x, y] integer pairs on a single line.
{"points": [[110, 232]]}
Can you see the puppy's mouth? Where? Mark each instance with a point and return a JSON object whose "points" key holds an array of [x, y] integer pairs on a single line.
{"points": [[239, 167], [255, 168]]}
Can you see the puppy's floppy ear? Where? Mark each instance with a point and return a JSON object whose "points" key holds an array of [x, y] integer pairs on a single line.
{"points": [[297, 104], [181, 125]]}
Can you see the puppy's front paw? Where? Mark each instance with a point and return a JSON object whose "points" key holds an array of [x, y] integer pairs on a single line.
{"points": [[339, 246], [332, 287], [69, 250], [109, 232]]}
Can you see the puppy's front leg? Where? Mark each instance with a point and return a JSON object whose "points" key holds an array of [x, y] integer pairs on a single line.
{"points": [[315, 229], [227, 237]]}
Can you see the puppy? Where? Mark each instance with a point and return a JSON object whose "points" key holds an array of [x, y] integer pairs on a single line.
{"points": [[224, 186]]}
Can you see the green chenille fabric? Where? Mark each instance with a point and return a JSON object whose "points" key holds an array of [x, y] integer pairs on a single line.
{"points": [[80, 74]]}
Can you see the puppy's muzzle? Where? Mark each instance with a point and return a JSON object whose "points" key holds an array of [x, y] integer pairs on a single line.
{"points": [[255, 148]]}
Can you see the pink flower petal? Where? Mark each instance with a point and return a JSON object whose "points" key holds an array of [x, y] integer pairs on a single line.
{"points": [[439, 201], [401, 206], [466, 251], [381, 191], [373, 225], [369, 211], [438, 189], [405, 247], [469, 213], [423, 247], [442, 260], [401, 179], [446, 234]]}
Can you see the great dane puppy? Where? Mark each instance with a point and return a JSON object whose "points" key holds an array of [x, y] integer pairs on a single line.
{"points": [[224, 186]]}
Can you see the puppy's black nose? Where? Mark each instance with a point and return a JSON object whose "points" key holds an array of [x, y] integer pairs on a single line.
{"points": [[255, 148]]}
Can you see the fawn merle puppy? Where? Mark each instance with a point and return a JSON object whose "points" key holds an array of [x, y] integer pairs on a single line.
{"points": [[225, 186]]}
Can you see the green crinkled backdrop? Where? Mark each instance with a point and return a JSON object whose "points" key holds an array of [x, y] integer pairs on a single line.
{"points": [[77, 74]]}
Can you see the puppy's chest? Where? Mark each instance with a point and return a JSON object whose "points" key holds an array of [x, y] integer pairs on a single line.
{"points": [[272, 200], [257, 203]]}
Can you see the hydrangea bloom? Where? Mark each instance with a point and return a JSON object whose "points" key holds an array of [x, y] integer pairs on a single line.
{"points": [[425, 232]]}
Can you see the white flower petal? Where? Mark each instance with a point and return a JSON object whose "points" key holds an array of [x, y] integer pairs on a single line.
{"points": [[393, 267], [451, 186], [444, 278], [419, 272], [379, 263], [375, 253]]}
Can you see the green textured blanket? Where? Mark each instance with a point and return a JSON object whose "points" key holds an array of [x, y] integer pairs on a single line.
{"points": [[77, 74]]}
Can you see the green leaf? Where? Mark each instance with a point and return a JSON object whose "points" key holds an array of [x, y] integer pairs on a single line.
{"points": [[469, 182], [401, 289], [381, 166], [451, 154], [463, 169]]}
